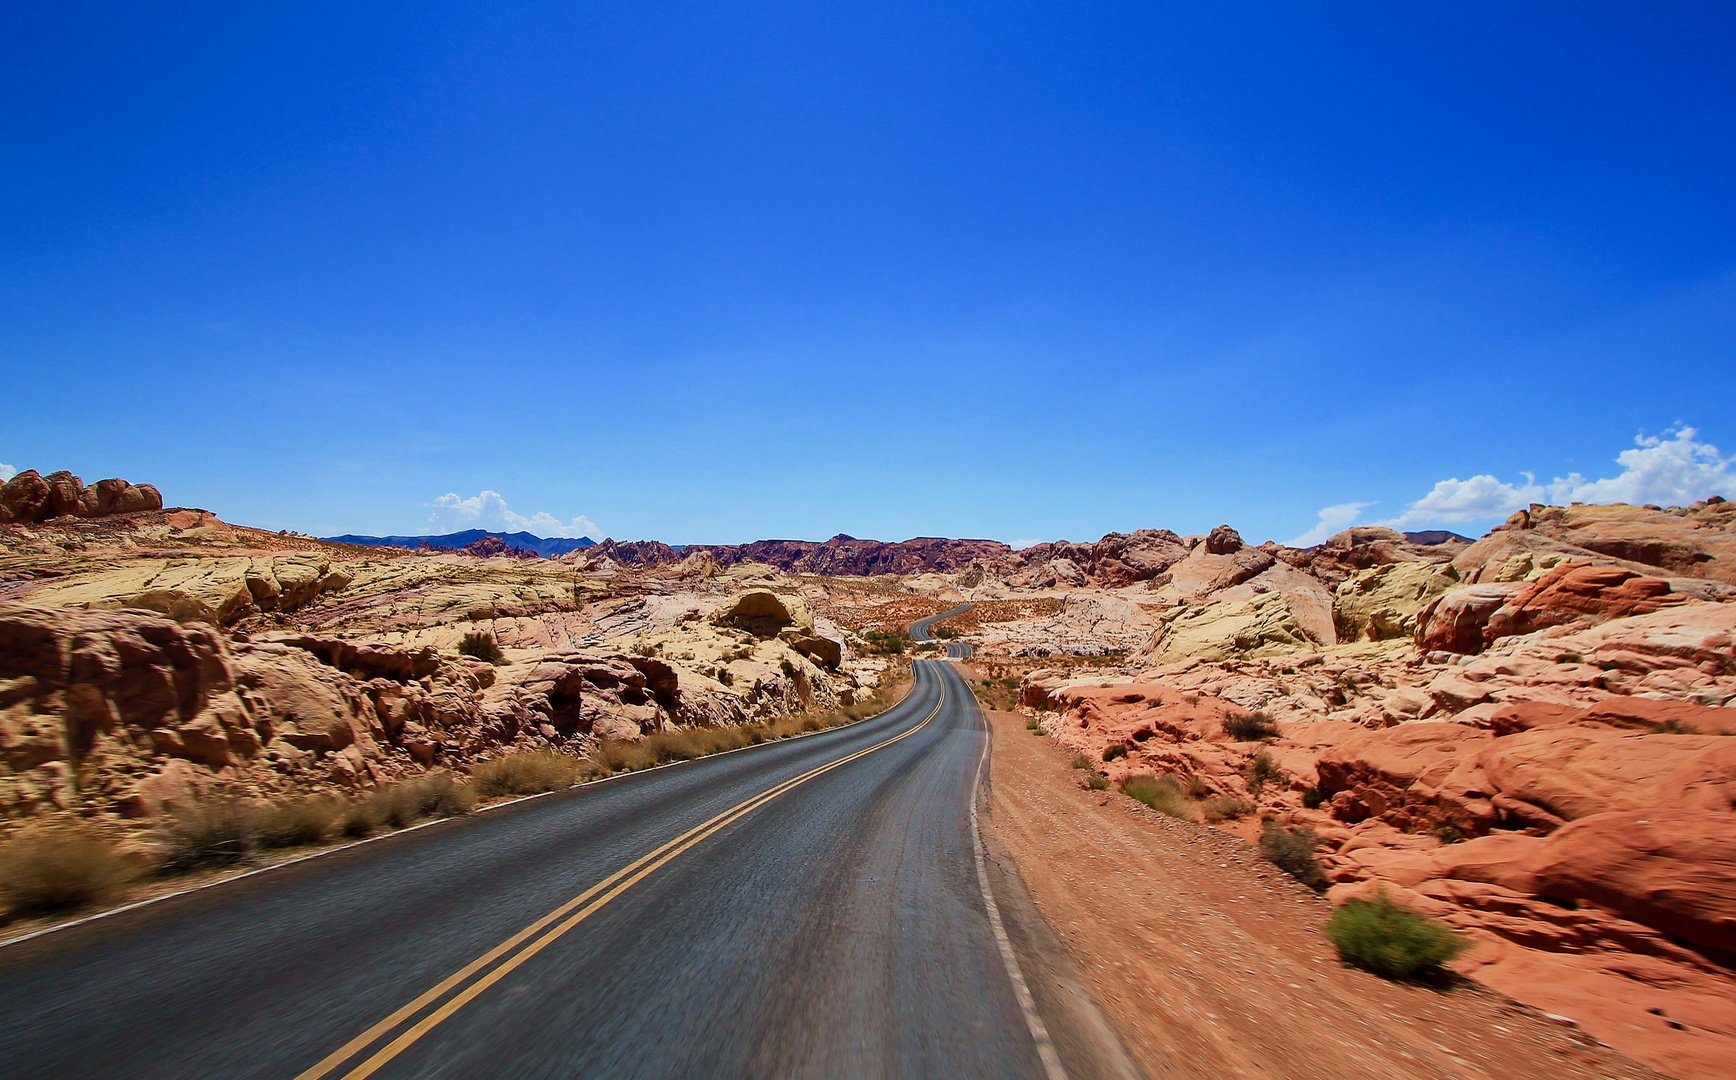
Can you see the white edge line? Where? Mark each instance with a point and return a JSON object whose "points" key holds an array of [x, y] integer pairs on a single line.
{"points": [[1021, 990], [137, 904]]}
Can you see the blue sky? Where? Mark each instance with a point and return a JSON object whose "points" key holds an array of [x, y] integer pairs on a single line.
{"points": [[713, 273]]}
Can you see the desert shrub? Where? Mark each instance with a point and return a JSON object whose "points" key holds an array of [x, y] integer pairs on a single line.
{"points": [[1113, 751], [1390, 940], [1163, 794], [359, 818], [441, 795], [1097, 782], [52, 869], [529, 773], [1262, 770], [214, 834], [885, 641], [1253, 727], [1226, 808], [1675, 727], [482, 646], [1197, 788], [1292, 851], [306, 821], [1080, 761], [1033, 725], [1312, 798], [944, 632]]}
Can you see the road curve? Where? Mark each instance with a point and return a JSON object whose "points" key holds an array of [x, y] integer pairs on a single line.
{"points": [[809, 908], [955, 650]]}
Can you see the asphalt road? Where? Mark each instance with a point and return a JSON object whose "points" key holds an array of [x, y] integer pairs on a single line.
{"points": [[920, 631], [809, 908]]}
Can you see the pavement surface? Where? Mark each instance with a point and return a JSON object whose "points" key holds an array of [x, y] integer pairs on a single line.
{"points": [[818, 907], [921, 630]]}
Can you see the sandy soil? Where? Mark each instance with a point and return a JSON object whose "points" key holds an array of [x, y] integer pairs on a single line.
{"points": [[1212, 963]]}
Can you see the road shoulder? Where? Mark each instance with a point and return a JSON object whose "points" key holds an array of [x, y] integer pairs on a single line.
{"points": [[1210, 963]]}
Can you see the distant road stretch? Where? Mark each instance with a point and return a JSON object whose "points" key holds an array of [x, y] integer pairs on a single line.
{"points": [[809, 908], [955, 650]]}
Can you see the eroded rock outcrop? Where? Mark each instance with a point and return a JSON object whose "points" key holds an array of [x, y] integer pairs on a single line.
{"points": [[31, 497]]}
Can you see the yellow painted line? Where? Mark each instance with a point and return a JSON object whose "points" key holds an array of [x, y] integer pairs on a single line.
{"points": [[589, 902]]}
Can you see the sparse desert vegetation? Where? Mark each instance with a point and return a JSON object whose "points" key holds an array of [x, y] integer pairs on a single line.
{"points": [[1390, 940]]}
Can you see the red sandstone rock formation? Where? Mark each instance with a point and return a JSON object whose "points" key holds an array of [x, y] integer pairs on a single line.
{"points": [[30, 497]]}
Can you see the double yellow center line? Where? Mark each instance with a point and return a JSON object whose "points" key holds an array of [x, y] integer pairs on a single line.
{"points": [[502, 960]]}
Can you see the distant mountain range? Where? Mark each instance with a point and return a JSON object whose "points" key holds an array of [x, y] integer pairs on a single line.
{"points": [[840, 555], [548, 549]]}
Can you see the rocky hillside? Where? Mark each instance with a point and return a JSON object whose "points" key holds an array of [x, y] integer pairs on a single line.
{"points": [[1529, 736], [150, 659]]}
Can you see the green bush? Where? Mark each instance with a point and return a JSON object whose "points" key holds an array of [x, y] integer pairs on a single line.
{"points": [[482, 646], [1390, 940], [1312, 798], [1081, 762], [1197, 788], [1254, 727], [43, 870], [886, 641], [1163, 794], [1114, 750], [1097, 782], [1293, 853]]}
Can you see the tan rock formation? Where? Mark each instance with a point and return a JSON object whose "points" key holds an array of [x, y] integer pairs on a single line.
{"points": [[1383, 602]]}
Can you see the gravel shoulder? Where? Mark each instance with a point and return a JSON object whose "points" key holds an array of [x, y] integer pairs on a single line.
{"points": [[1212, 963]]}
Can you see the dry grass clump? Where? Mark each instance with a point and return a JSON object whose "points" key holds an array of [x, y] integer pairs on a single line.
{"points": [[482, 646], [292, 824], [681, 744], [1292, 851], [59, 868], [434, 795], [1163, 794], [1254, 727], [1226, 808], [1262, 770], [225, 833], [1000, 694], [529, 773], [207, 835]]}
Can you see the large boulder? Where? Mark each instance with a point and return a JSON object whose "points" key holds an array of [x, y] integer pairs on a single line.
{"points": [[1674, 870], [766, 614], [24, 498], [1587, 594], [30, 497], [1382, 602], [1262, 626], [1472, 618], [1455, 621], [198, 590]]}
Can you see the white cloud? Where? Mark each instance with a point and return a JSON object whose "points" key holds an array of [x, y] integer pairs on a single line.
{"points": [[1673, 470], [1479, 498], [489, 511], [7, 472], [1333, 519]]}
